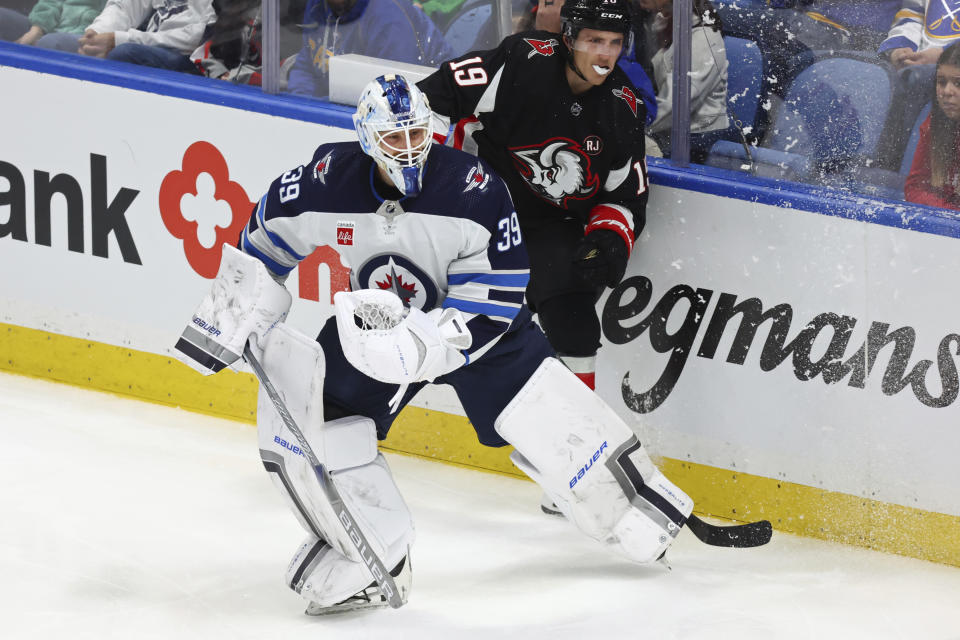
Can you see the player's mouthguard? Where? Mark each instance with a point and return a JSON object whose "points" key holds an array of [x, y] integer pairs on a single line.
{"points": [[601, 70]]}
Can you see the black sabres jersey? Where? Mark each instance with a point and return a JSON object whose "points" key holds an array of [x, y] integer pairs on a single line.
{"points": [[560, 154]]}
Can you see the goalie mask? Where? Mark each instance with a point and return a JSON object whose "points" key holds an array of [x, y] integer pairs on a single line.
{"points": [[393, 125]]}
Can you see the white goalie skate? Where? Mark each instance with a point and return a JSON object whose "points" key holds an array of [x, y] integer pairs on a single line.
{"points": [[371, 597]]}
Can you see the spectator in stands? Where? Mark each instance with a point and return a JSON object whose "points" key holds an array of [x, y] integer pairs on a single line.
{"points": [[788, 33], [934, 177], [154, 33], [708, 74], [233, 49], [391, 29], [920, 31], [440, 11], [815, 25], [51, 24]]}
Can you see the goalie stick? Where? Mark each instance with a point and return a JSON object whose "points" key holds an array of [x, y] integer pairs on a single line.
{"points": [[742, 536], [379, 571]]}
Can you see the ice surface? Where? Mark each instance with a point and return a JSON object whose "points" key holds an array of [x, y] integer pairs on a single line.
{"points": [[120, 519]]}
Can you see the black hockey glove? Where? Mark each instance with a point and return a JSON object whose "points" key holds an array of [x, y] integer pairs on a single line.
{"points": [[601, 258]]}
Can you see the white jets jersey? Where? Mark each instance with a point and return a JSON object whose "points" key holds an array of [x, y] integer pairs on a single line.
{"points": [[457, 244]]}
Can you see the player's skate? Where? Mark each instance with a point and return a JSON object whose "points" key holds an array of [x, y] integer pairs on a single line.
{"points": [[548, 506], [371, 597]]}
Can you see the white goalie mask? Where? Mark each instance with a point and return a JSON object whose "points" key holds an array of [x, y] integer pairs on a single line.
{"points": [[393, 125]]}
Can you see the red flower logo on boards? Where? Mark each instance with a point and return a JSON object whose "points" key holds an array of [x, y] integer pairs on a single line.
{"points": [[203, 231]]}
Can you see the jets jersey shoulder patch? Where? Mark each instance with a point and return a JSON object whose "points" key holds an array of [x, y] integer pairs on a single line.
{"points": [[320, 169], [477, 178]]}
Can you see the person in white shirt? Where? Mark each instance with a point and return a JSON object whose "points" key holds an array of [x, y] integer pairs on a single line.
{"points": [[154, 33]]}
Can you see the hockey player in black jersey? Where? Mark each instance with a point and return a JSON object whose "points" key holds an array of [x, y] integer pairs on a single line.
{"points": [[564, 127], [438, 271]]}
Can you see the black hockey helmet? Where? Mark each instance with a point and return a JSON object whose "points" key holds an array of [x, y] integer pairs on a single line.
{"points": [[603, 15]]}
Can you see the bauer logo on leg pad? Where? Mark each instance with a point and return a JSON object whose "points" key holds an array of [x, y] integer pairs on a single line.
{"points": [[286, 445], [583, 470], [368, 558]]}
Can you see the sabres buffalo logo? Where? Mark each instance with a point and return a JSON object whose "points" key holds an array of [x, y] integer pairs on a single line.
{"points": [[943, 20], [557, 170]]}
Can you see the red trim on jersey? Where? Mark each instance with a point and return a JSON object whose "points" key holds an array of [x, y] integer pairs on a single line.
{"points": [[604, 216], [439, 138], [589, 379], [459, 131]]}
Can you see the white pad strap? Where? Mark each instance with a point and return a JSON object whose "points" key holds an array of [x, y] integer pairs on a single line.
{"points": [[244, 303], [398, 345], [593, 466]]}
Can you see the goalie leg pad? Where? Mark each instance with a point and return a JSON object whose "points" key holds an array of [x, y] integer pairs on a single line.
{"points": [[243, 301], [346, 447], [592, 465], [295, 364], [323, 574]]}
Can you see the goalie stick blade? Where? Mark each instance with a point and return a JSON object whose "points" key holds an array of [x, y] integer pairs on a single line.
{"points": [[743, 536]]}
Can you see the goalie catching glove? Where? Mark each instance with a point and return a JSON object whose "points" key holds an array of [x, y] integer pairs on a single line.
{"points": [[398, 345]]}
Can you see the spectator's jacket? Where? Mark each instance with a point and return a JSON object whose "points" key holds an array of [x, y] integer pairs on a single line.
{"points": [[875, 15], [392, 29], [65, 16], [921, 24], [708, 82], [239, 56], [918, 188], [174, 24]]}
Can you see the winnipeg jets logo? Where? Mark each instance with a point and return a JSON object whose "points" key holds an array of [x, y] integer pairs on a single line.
{"points": [[542, 47], [394, 282], [477, 179], [320, 169], [626, 94], [557, 170], [396, 273]]}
